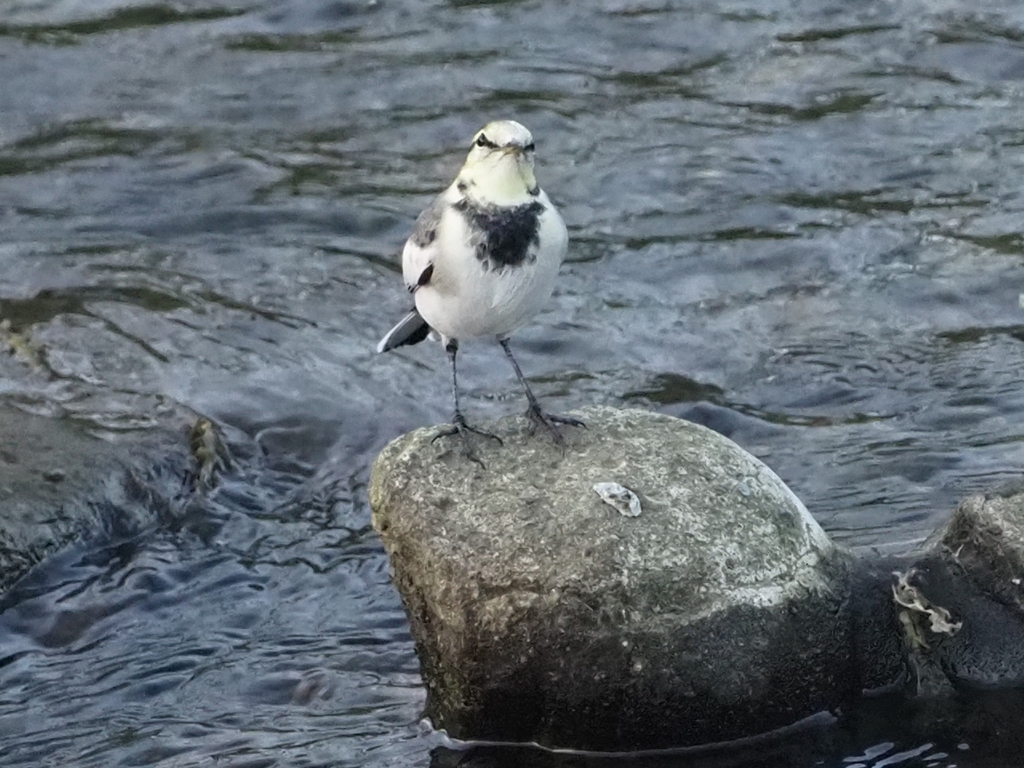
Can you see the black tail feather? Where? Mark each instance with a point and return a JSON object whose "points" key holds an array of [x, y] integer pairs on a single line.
{"points": [[411, 329]]}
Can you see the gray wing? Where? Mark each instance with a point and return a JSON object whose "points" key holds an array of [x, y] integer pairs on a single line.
{"points": [[425, 229], [421, 248]]}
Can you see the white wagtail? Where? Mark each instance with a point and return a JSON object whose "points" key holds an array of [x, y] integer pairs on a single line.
{"points": [[482, 260]]}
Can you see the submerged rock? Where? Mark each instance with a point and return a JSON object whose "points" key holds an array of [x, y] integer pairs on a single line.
{"points": [[58, 482], [542, 613]]}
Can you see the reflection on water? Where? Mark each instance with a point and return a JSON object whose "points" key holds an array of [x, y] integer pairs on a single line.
{"points": [[795, 222], [884, 731]]}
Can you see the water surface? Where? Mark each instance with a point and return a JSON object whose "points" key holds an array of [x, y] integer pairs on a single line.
{"points": [[795, 222]]}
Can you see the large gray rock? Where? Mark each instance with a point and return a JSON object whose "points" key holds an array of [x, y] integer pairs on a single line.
{"points": [[541, 613]]}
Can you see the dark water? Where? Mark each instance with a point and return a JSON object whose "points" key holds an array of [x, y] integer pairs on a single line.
{"points": [[796, 222]]}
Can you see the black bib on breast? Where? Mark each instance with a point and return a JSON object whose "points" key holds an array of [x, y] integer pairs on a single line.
{"points": [[503, 237]]}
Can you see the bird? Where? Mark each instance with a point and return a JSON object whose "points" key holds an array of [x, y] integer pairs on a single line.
{"points": [[482, 260]]}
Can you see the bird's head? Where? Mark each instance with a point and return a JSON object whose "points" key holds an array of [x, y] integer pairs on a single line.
{"points": [[499, 167]]}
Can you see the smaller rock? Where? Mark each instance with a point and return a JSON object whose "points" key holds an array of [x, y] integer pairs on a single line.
{"points": [[986, 538], [986, 650], [972, 566]]}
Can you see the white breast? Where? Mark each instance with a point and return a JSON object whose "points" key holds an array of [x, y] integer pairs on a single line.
{"points": [[463, 299]]}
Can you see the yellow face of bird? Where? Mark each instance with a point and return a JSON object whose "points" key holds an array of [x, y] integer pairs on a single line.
{"points": [[499, 167]]}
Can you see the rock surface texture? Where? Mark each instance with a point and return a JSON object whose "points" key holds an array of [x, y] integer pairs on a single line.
{"points": [[986, 535], [542, 613]]}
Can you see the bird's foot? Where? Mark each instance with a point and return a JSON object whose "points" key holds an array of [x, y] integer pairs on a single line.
{"points": [[550, 421], [462, 429]]}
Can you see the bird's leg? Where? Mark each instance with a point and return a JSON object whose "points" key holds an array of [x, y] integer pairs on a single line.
{"points": [[459, 426], [533, 411]]}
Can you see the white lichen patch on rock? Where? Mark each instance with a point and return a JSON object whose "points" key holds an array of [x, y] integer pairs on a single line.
{"points": [[919, 616], [620, 498]]}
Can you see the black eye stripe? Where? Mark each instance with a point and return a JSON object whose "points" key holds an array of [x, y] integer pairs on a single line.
{"points": [[483, 141]]}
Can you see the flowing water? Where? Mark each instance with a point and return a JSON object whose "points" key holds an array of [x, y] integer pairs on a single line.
{"points": [[795, 221]]}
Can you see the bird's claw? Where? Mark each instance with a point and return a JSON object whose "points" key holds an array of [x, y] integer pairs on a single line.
{"points": [[537, 418], [462, 429]]}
